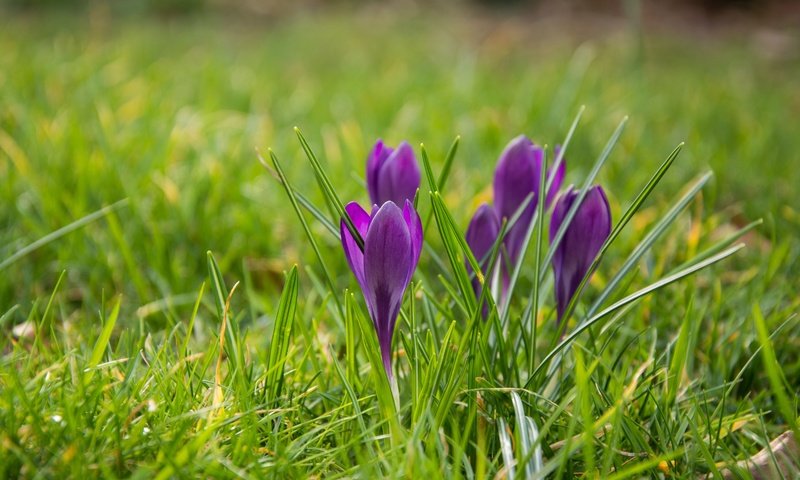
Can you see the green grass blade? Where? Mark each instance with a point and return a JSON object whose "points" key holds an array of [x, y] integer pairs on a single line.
{"points": [[601, 160], [538, 219], [309, 235], [282, 335], [776, 377], [647, 242], [303, 201], [101, 343], [626, 217], [327, 189], [53, 236], [679, 353], [629, 299]]}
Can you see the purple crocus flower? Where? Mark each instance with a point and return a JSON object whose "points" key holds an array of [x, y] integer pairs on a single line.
{"points": [[392, 174], [392, 244], [582, 240], [517, 176], [481, 235]]}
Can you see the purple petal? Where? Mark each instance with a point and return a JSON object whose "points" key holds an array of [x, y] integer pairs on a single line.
{"points": [[415, 230], [388, 258], [583, 238], [517, 177], [481, 235], [380, 152], [398, 178], [354, 255]]}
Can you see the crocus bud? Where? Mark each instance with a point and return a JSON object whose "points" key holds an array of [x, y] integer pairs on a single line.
{"points": [[481, 235], [516, 177], [392, 245], [392, 174], [582, 240]]}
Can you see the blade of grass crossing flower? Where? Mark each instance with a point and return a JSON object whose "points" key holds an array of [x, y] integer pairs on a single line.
{"points": [[623, 221], [311, 239], [538, 219], [372, 349], [774, 373], [647, 242], [451, 245], [537, 258], [281, 336], [601, 160], [583, 326], [327, 189]]}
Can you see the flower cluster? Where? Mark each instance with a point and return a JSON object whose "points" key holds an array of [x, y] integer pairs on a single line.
{"points": [[516, 187], [386, 256], [392, 238]]}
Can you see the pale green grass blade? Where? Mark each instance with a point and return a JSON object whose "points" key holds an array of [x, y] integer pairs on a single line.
{"points": [[679, 353], [506, 449], [529, 444], [303, 201]]}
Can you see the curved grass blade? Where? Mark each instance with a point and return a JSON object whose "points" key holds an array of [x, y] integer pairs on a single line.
{"points": [[647, 242], [629, 299], [623, 221], [328, 190], [220, 292], [293, 200]]}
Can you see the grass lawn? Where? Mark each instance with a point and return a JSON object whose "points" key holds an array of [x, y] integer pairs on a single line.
{"points": [[128, 151]]}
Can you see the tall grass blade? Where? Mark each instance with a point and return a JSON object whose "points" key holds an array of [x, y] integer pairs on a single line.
{"points": [[629, 299], [281, 336]]}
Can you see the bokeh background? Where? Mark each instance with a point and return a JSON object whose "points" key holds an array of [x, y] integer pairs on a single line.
{"points": [[162, 104]]}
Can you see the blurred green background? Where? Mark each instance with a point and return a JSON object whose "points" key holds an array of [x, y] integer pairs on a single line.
{"points": [[164, 103]]}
